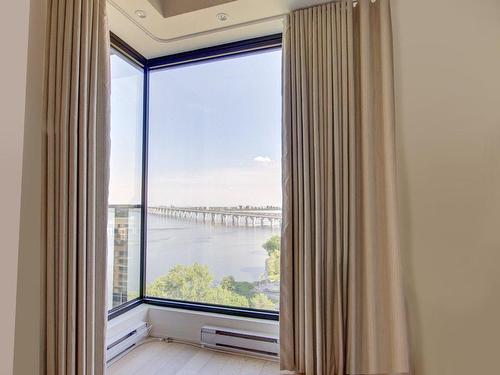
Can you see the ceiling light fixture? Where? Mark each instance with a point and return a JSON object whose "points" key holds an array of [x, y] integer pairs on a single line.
{"points": [[222, 17], [140, 13]]}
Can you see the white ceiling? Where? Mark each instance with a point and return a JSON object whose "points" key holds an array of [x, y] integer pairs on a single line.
{"points": [[150, 36]]}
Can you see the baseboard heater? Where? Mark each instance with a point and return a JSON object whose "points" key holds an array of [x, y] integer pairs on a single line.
{"points": [[125, 341], [234, 340]]}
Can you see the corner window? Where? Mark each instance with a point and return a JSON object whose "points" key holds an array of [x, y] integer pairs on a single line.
{"points": [[214, 182], [194, 214]]}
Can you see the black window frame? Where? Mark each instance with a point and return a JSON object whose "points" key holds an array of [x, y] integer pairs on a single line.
{"points": [[247, 46]]}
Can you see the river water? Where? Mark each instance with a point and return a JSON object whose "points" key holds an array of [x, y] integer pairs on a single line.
{"points": [[226, 250]]}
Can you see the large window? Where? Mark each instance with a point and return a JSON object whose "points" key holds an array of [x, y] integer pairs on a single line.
{"points": [[195, 184], [125, 192], [214, 190]]}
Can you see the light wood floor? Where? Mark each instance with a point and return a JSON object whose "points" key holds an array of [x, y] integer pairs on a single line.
{"points": [[161, 358]]}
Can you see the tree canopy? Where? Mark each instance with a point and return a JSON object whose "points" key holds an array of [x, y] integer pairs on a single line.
{"points": [[272, 245], [194, 283]]}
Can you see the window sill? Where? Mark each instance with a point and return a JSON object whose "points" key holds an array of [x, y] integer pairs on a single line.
{"points": [[216, 309]]}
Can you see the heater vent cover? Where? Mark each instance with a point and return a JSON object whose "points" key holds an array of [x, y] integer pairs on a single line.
{"points": [[125, 340], [254, 343]]}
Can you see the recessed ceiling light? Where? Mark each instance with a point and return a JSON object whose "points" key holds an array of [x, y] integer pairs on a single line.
{"points": [[140, 13], [222, 17]]}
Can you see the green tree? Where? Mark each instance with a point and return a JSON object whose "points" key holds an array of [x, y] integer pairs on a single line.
{"points": [[273, 247], [220, 296], [261, 301], [194, 283], [273, 267], [243, 288], [273, 244], [228, 283]]}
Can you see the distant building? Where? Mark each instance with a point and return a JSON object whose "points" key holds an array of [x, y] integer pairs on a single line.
{"points": [[120, 259]]}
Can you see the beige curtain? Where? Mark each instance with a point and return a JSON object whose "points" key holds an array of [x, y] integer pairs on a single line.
{"points": [[342, 306], [76, 176]]}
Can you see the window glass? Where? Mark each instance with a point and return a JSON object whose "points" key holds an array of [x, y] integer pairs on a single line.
{"points": [[214, 182], [124, 209]]}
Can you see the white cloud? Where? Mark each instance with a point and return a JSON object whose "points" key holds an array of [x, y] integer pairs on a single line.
{"points": [[262, 159]]}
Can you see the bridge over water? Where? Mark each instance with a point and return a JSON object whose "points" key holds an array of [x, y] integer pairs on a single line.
{"points": [[226, 216]]}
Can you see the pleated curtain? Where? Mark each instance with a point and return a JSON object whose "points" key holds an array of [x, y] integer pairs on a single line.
{"points": [[76, 182], [342, 304]]}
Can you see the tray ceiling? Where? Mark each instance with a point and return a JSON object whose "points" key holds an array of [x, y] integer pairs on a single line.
{"points": [[166, 19]]}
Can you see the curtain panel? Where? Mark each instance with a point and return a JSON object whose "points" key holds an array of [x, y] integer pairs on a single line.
{"points": [[76, 182], [342, 305]]}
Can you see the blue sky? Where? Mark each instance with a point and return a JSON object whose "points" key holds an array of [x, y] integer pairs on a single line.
{"points": [[215, 133]]}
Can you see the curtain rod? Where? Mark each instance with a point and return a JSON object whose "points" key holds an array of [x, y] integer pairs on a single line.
{"points": [[204, 32]]}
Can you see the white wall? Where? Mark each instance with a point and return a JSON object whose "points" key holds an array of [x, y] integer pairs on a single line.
{"points": [[14, 42], [28, 344], [447, 62]]}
